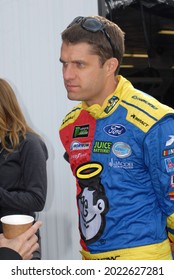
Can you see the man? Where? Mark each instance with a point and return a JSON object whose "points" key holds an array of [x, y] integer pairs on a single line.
{"points": [[119, 142], [21, 247]]}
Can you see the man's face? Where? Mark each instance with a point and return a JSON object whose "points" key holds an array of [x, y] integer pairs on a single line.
{"points": [[84, 76]]}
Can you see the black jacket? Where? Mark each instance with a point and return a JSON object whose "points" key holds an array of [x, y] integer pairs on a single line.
{"points": [[9, 254], [23, 178]]}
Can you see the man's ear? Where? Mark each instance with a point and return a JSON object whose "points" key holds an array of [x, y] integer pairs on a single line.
{"points": [[111, 64]]}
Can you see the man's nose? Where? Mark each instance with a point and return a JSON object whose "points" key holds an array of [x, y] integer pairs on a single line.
{"points": [[68, 72]]}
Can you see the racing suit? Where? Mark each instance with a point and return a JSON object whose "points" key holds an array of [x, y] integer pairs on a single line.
{"points": [[122, 155]]}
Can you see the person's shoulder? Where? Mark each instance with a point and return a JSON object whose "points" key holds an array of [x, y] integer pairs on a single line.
{"points": [[134, 98], [150, 104], [143, 110], [34, 141], [33, 137], [72, 115]]}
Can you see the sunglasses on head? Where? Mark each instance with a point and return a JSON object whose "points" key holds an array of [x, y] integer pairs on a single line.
{"points": [[93, 25]]}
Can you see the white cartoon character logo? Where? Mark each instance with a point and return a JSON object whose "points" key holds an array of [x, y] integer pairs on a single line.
{"points": [[92, 202]]}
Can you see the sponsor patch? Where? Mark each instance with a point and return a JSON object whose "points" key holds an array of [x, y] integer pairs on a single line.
{"points": [[81, 131], [111, 103], [114, 130], [75, 145], [78, 156], [171, 194], [172, 181], [145, 101], [121, 150], [169, 162], [168, 152], [170, 141], [137, 119], [121, 164], [103, 147]]}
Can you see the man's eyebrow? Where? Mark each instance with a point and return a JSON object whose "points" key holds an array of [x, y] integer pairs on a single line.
{"points": [[73, 61]]}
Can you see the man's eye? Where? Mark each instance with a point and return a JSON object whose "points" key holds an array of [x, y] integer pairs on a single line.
{"points": [[80, 65], [65, 64]]}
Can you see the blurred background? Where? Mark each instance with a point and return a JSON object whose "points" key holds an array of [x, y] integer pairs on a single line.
{"points": [[149, 38]]}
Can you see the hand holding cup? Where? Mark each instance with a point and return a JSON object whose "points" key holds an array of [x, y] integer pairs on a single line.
{"points": [[14, 225]]}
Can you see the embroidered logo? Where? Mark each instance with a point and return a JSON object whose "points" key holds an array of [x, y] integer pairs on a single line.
{"points": [[103, 147], [168, 152], [145, 101], [137, 119], [169, 162], [121, 164], [75, 145], [92, 201], [121, 150], [78, 156], [172, 181], [81, 131], [170, 141], [114, 130], [171, 194], [111, 103]]}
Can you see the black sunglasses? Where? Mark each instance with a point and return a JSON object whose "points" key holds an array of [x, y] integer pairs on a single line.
{"points": [[93, 25]]}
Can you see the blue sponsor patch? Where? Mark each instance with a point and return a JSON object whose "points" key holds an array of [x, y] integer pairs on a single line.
{"points": [[169, 162], [114, 130]]}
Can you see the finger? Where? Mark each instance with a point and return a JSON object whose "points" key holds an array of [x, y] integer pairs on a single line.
{"points": [[29, 247], [29, 254], [31, 231]]}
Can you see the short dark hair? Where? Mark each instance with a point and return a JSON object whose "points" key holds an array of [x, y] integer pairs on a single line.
{"points": [[75, 34]]}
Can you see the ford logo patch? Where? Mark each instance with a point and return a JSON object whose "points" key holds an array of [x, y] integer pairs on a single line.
{"points": [[114, 130]]}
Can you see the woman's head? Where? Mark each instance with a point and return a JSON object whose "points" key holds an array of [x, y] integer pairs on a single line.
{"points": [[12, 120]]}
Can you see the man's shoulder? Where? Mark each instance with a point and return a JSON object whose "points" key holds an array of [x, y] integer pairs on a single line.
{"points": [[144, 110], [150, 105], [72, 115]]}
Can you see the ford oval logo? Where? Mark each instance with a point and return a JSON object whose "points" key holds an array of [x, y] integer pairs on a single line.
{"points": [[114, 130]]}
